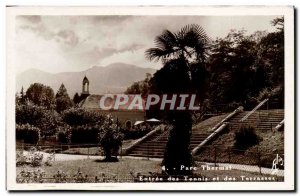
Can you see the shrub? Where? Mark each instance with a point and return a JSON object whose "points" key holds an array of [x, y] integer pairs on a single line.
{"points": [[85, 134], [63, 134], [33, 158], [27, 133], [276, 95], [134, 134], [37, 176], [110, 139], [245, 137], [79, 116], [38, 116]]}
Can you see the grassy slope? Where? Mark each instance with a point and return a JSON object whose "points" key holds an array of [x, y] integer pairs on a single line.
{"points": [[271, 143], [204, 126]]}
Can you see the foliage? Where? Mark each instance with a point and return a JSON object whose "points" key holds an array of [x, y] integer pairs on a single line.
{"points": [[141, 87], [235, 72], [49, 160], [63, 100], [134, 134], [183, 55], [63, 134], [245, 137], [189, 43], [36, 176], [46, 120], [60, 177], [273, 93], [76, 98], [33, 158], [85, 134], [110, 139], [242, 66], [27, 133], [21, 97], [80, 116], [41, 95]]}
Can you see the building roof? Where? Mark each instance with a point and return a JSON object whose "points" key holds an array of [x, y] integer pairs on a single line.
{"points": [[93, 102]]}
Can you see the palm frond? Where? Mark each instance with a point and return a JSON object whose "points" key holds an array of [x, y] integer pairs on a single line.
{"points": [[190, 41], [155, 54], [192, 35], [166, 40]]}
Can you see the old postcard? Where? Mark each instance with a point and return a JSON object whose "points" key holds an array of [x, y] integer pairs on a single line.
{"points": [[150, 98]]}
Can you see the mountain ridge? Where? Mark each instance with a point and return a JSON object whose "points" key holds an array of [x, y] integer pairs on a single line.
{"points": [[114, 78]]}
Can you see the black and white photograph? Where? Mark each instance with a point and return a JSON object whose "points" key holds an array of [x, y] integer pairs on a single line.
{"points": [[150, 98]]}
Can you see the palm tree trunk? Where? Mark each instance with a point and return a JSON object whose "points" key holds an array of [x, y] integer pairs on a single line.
{"points": [[177, 153]]}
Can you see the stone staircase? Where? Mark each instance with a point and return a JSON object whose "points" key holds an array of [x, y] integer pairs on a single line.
{"points": [[154, 147], [261, 120]]}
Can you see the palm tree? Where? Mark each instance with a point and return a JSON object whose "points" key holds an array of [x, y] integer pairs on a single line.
{"points": [[183, 55], [190, 44]]}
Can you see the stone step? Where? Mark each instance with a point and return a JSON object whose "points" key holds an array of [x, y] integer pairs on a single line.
{"points": [[142, 155], [149, 149]]}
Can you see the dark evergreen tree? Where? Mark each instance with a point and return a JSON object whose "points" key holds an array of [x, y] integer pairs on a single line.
{"points": [[76, 98], [63, 100]]}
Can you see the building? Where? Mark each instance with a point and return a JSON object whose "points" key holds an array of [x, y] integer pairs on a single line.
{"points": [[91, 102]]}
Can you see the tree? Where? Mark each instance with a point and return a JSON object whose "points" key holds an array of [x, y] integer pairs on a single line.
{"points": [[271, 49], [22, 97], [63, 100], [237, 72], [40, 95], [38, 116], [76, 98], [79, 116], [183, 55], [141, 87], [110, 139]]}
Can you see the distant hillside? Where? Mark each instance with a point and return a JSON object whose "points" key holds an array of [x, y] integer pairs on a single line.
{"points": [[114, 78]]}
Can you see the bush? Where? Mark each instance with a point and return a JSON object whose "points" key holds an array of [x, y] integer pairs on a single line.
{"points": [[274, 94], [33, 158], [85, 134], [63, 134], [110, 139], [27, 133], [245, 137], [79, 116], [134, 134], [29, 114], [38, 116]]}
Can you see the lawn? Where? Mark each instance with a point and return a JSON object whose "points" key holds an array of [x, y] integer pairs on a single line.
{"points": [[93, 150], [121, 170], [206, 125]]}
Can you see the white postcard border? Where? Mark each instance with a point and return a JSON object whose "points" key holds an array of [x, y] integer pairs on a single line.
{"points": [[289, 145]]}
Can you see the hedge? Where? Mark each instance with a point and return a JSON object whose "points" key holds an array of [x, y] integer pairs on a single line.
{"points": [[28, 133]]}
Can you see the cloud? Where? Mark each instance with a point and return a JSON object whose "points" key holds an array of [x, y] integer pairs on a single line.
{"points": [[68, 37], [75, 43]]}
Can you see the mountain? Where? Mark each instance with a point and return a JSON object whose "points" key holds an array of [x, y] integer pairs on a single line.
{"points": [[114, 78]]}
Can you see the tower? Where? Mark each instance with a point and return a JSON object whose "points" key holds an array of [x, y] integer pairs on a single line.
{"points": [[85, 86]]}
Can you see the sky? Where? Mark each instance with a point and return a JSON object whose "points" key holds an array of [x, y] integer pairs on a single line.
{"points": [[75, 43]]}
